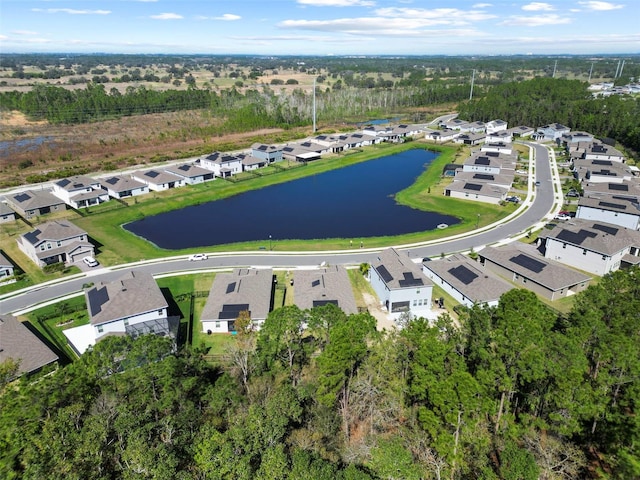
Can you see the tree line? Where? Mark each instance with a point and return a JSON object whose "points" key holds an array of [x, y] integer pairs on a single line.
{"points": [[515, 392]]}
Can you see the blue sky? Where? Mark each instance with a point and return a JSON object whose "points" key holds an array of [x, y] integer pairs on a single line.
{"points": [[320, 27]]}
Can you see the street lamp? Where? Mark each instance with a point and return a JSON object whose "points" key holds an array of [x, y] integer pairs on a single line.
{"points": [[270, 243]]}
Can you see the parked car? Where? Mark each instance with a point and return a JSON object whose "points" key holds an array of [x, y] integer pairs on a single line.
{"points": [[513, 199], [90, 261], [538, 183], [198, 256], [573, 193]]}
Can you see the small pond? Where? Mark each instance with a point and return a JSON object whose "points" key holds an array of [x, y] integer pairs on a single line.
{"points": [[354, 202]]}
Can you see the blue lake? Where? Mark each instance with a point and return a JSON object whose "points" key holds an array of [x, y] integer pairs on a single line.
{"points": [[354, 202]]}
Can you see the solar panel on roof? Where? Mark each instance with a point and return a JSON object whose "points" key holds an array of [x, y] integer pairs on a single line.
{"points": [[64, 182], [409, 280], [152, 174], [112, 180], [231, 287], [602, 162], [321, 303], [575, 237], [482, 161], [315, 283], [463, 274], [97, 298], [472, 186], [384, 273], [184, 168], [529, 263], [22, 197], [619, 187], [232, 310], [606, 228], [484, 176], [617, 206], [493, 154]]}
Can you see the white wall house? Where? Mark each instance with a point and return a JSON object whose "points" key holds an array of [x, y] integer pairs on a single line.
{"points": [[595, 247], [80, 191], [222, 164], [496, 126], [6, 268], [479, 191], [7, 213], [190, 174], [120, 186], [246, 289], [159, 180], [400, 284], [57, 241], [600, 151], [624, 212]]}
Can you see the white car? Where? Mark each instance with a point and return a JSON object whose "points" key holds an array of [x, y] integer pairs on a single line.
{"points": [[197, 256], [90, 261]]}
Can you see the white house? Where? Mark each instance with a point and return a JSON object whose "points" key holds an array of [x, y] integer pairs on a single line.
{"points": [[496, 126], [466, 281], [57, 241], [158, 180], [476, 190], [488, 162], [442, 136], [621, 211], [551, 132], [595, 247], [471, 138], [498, 147], [501, 136], [600, 151], [521, 131], [400, 284], [6, 268], [246, 289], [249, 162], [80, 191], [190, 174], [119, 186], [595, 171], [7, 213], [222, 164]]}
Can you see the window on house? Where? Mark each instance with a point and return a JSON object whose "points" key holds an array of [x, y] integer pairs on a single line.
{"points": [[584, 251], [160, 312], [564, 245], [415, 302], [100, 329], [126, 322], [217, 324]]}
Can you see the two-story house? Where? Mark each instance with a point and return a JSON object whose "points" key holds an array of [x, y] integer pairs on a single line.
{"points": [[56, 241], [80, 191]]}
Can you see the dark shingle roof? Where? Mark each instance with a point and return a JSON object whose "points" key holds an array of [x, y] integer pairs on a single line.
{"points": [[18, 343]]}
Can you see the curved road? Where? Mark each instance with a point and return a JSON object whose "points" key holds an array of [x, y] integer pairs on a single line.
{"points": [[532, 212]]}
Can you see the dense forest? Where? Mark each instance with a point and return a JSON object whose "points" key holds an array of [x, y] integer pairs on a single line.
{"points": [[514, 392], [545, 100]]}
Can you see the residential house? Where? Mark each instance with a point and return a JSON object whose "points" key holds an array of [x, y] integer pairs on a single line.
{"points": [[572, 138], [497, 147], [19, 344], [601, 151], [471, 138], [454, 124], [521, 131], [190, 174], [6, 268], [56, 241], [600, 171], [621, 211], [33, 203], [158, 180], [480, 191], [525, 267], [222, 164], [249, 162], [80, 191], [466, 281], [628, 189], [551, 132], [318, 287], [130, 305], [244, 290], [120, 186], [475, 127], [496, 126], [6, 213], [504, 180], [403, 131], [595, 247], [442, 136], [400, 284], [270, 153], [501, 136], [489, 162], [300, 154]]}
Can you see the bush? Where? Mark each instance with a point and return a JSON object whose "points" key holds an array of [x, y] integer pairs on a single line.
{"points": [[54, 268]]}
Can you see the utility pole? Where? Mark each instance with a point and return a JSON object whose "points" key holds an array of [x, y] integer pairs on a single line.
{"points": [[314, 105], [621, 67], [590, 71], [617, 69], [555, 66], [473, 77]]}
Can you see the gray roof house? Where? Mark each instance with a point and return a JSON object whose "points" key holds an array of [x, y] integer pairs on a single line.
{"points": [[19, 344], [476, 190], [595, 247], [594, 171], [6, 267], [270, 153], [57, 241], [621, 211], [400, 284], [526, 268], [249, 162], [466, 280], [628, 189], [313, 288], [7, 214], [246, 289], [120, 186], [551, 132], [521, 131], [191, 174], [32, 203], [442, 136], [221, 164], [159, 180]]}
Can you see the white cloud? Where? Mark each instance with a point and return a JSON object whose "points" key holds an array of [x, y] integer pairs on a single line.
{"points": [[601, 6], [167, 16], [23, 32], [482, 5], [538, 6], [445, 16], [228, 17], [72, 11], [338, 3], [537, 21]]}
